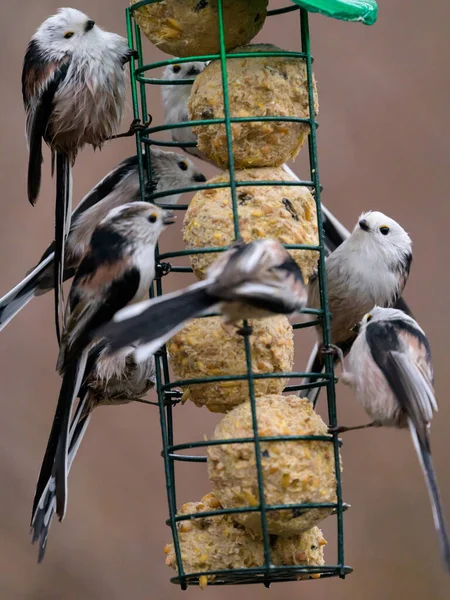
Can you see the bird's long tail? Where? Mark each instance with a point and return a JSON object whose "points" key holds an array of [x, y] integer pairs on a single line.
{"points": [[55, 462], [422, 446], [13, 302], [46, 507], [152, 323], [63, 210]]}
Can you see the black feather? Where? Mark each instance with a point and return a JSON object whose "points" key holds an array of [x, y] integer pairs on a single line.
{"points": [[39, 130], [334, 238], [120, 293], [107, 186], [159, 320], [57, 433], [62, 210]]}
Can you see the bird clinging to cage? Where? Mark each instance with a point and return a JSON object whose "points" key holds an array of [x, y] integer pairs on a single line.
{"points": [[371, 267], [248, 281], [73, 86], [175, 99], [108, 381], [391, 371], [169, 171], [116, 270]]}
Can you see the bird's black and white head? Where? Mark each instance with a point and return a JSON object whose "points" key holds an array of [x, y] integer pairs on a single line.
{"points": [[184, 70], [176, 96], [66, 31], [138, 222], [376, 234], [172, 171], [379, 314]]}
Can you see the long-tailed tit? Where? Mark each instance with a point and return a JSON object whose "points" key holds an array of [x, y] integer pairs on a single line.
{"points": [[109, 381], [116, 270], [175, 100], [370, 267], [73, 86], [391, 372], [169, 171], [249, 281]]}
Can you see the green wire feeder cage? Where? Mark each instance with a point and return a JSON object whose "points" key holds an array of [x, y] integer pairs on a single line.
{"points": [[268, 569]]}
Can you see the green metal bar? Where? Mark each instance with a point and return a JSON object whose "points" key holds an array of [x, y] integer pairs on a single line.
{"points": [[210, 57], [250, 440], [226, 110], [326, 324]]}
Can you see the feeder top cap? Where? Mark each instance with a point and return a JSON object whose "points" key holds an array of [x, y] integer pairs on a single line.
{"points": [[364, 11]]}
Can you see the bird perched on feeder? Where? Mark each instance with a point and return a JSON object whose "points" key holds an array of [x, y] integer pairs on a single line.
{"points": [[391, 372], [249, 281], [175, 99], [370, 267], [73, 86], [169, 171], [109, 381], [117, 270]]}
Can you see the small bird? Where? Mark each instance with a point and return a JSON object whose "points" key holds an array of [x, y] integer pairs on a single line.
{"points": [[109, 381], [370, 267], [175, 99], [391, 372], [117, 270], [73, 86], [169, 171], [249, 281]]}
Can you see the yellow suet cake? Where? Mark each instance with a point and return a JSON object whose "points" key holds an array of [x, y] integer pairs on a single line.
{"points": [[294, 472], [207, 348], [217, 542], [285, 213], [191, 27], [273, 86]]}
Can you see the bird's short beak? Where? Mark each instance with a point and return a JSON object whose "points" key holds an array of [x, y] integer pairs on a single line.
{"points": [[169, 218], [356, 328], [89, 25], [364, 225], [199, 177]]}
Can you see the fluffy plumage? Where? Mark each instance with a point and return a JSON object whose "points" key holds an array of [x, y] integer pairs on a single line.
{"points": [[369, 267], [252, 280], [73, 86], [175, 99], [391, 371], [169, 171], [117, 270]]}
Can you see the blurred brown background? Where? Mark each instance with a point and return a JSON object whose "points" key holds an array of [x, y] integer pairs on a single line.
{"points": [[383, 144]]}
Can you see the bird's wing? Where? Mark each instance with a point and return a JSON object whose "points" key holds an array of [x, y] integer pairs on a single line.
{"points": [[402, 353], [106, 186], [95, 297], [40, 82]]}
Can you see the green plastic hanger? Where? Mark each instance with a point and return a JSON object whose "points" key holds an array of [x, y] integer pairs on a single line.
{"points": [[365, 11]]}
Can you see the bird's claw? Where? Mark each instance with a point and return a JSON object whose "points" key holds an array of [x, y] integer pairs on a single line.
{"points": [[163, 269], [135, 126]]}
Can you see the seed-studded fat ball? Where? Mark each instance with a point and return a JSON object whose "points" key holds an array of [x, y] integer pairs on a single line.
{"points": [[294, 472], [286, 213], [191, 27], [274, 86], [207, 348], [218, 542]]}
